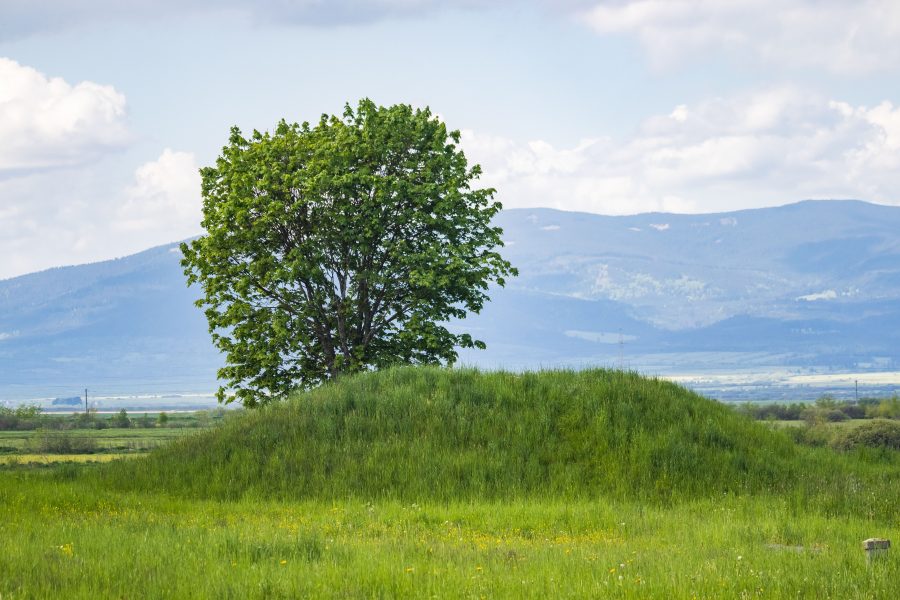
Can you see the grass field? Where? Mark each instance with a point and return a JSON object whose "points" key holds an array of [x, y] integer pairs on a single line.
{"points": [[428, 483], [50, 459], [108, 440], [69, 542]]}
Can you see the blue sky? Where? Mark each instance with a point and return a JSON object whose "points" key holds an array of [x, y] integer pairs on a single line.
{"points": [[107, 109]]}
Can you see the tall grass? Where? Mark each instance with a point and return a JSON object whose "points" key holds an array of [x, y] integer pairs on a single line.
{"points": [[448, 435]]}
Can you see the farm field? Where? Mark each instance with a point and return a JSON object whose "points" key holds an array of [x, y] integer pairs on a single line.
{"points": [[49, 459], [457, 484], [107, 440], [838, 426]]}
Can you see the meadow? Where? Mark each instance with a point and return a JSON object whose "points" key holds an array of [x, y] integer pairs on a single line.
{"points": [[105, 440], [49, 438], [459, 484]]}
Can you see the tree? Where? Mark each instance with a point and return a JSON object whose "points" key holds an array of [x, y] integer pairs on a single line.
{"points": [[341, 247], [120, 420]]}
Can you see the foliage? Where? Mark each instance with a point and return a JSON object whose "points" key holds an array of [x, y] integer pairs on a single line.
{"points": [[88, 420], [341, 247], [56, 442], [888, 408], [23, 417], [825, 409], [878, 433], [120, 420]]}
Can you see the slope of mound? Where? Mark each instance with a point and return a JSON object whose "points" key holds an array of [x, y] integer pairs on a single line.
{"points": [[441, 434]]}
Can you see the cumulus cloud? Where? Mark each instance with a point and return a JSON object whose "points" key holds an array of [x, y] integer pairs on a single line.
{"points": [[835, 35], [47, 122], [64, 204], [763, 148], [74, 216], [164, 198]]}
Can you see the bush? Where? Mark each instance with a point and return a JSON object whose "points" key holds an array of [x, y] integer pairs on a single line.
{"points": [[854, 411], [120, 420], [84, 420], [879, 433], [889, 408], [817, 415], [23, 418], [56, 442], [834, 415]]}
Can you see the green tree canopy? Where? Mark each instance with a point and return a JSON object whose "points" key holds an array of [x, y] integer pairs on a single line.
{"points": [[340, 247]]}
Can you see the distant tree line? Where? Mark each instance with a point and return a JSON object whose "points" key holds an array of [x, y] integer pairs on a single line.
{"points": [[21, 418], [30, 417], [825, 409]]}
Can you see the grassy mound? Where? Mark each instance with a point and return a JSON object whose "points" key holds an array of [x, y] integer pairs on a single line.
{"points": [[439, 434]]}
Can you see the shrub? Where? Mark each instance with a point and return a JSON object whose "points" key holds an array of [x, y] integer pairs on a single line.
{"points": [[879, 433], [854, 411], [120, 420], [56, 442], [816, 415], [22, 418], [889, 408], [834, 415]]}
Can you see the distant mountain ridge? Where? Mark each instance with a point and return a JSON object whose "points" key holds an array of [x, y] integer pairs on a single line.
{"points": [[774, 262], [811, 284], [124, 326]]}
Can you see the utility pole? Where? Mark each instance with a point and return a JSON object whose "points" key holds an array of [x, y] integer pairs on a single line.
{"points": [[856, 381], [85, 401]]}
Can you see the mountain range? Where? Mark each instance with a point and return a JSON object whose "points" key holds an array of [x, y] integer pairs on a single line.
{"points": [[742, 304]]}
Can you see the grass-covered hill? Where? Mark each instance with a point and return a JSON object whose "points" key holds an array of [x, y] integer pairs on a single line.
{"points": [[440, 434]]}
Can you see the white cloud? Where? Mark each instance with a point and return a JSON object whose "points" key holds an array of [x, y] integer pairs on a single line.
{"points": [[72, 216], [835, 35], [826, 295], [762, 148], [165, 197], [24, 17], [67, 207], [47, 122], [600, 337]]}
